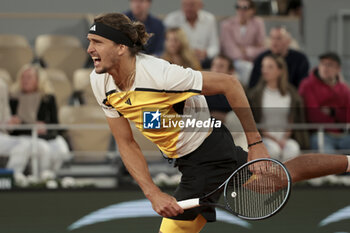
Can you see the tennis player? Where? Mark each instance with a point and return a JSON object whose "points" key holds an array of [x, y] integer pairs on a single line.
{"points": [[157, 97]]}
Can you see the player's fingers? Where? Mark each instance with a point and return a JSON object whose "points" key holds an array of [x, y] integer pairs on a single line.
{"points": [[259, 167], [168, 212], [162, 212], [178, 209], [176, 206], [175, 210]]}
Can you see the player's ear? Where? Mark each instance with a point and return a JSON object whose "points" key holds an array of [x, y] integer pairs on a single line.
{"points": [[122, 49]]}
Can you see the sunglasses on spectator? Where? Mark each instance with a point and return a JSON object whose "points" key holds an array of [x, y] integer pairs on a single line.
{"points": [[238, 7]]}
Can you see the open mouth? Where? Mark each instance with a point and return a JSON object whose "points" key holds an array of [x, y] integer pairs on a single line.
{"points": [[96, 60]]}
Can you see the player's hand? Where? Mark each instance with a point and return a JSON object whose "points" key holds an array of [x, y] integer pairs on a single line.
{"points": [[165, 205], [258, 151]]}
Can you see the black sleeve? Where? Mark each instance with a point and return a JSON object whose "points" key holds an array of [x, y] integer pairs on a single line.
{"points": [[48, 110], [13, 105], [48, 114]]}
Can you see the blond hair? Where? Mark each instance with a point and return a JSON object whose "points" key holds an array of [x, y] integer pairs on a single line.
{"points": [[188, 59], [44, 84]]}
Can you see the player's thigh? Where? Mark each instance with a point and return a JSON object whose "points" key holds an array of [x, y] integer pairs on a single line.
{"points": [[182, 226]]}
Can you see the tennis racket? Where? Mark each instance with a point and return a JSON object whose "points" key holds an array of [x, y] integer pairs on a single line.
{"points": [[256, 190]]}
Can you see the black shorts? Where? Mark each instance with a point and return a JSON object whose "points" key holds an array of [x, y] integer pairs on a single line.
{"points": [[204, 169]]}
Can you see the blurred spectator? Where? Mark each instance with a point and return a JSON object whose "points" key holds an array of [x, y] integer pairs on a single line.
{"points": [[297, 62], [16, 148], [200, 27], [275, 104], [242, 37], [5, 113], [139, 11], [327, 100], [219, 106], [295, 8], [177, 50], [32, 102]]}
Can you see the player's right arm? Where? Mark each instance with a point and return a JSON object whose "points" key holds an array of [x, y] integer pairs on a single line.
{"points": [[133, 159]]}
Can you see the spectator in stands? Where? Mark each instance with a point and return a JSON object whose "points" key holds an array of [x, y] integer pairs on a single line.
{"points": [[327, 100], [219, 106], [297, 62], [295, 8], [177, 50], [32, 102], [5, 113], [200, 27], [242, 37], [275, 104], [139, 11], [18, 149]]}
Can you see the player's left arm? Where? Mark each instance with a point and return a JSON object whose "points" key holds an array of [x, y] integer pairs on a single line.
{"points": [[217, 83]]}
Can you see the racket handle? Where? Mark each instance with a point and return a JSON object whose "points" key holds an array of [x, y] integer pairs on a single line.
{"points": [[189, 203]]}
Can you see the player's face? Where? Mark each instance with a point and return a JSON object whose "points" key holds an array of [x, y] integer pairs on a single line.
{"points": [[103, 52], [270, 70], [328, 69]]}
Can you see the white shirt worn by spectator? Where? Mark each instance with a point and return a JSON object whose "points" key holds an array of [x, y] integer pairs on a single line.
{"points": [[203, 35], [275, 110], [13, 147], [4, 103]]}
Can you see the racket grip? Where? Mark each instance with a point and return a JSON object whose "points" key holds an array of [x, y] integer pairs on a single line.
{"points": [[189, 203]]}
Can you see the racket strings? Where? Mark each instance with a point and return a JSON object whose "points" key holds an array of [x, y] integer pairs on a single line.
{"points": [[259, 193]]}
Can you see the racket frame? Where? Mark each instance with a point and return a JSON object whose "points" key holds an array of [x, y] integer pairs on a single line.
{"points": [[286, 198], [195, 202]]}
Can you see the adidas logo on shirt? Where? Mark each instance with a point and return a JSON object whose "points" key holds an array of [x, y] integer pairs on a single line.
{"points": [[128, 101]]}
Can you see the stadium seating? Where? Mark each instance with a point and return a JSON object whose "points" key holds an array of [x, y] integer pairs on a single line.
{"points": [[61, 52], [15, 52], [5, 76], [86, 140], [81, 84], [61, 85]]}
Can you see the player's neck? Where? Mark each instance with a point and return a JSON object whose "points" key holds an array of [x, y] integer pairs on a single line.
{"points": [[124, 73]]}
